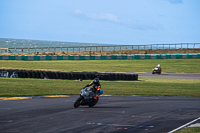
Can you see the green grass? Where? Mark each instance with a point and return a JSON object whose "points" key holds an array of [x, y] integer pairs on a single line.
{"points": [[146, 87], [142, 65], [189, 130]]}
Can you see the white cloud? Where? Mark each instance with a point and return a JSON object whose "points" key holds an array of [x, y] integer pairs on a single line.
{"points": [[76, 11], [115, 19], [102, 16]]}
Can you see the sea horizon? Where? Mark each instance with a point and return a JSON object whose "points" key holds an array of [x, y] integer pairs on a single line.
{"points": [[30, 43]]}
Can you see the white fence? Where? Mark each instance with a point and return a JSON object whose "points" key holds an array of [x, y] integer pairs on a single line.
{"points": [[100, 48]]}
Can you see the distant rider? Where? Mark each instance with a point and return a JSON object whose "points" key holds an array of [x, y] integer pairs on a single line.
{"points": [[96, 87], [158, 66]]}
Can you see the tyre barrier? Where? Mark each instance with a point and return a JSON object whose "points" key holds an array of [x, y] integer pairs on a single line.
{"points": [[15, 73]]}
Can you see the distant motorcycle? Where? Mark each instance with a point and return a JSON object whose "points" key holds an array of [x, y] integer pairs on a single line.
{"points": [[156, 70], [86, 98]]}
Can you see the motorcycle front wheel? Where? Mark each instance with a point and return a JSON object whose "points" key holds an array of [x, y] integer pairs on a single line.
{"points": [[78, 102]]}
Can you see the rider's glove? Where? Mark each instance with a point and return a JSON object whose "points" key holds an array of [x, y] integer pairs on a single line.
{"points": [[87, 85]]}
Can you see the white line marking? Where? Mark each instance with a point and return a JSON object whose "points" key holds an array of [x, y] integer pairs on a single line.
{"points": [[121, 125], [116, 125], [184, 125], [6, 121], [4, 108]]}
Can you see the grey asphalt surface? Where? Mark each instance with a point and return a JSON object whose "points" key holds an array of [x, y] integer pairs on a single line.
{"points": [[165, 75], [131, 114], [170, 75]]}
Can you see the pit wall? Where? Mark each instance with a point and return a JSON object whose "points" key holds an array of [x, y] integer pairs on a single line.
{"points": [[97, 57]]}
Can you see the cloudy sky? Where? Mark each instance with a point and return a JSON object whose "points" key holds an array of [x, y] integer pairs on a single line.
{"points": [[102, 21]]}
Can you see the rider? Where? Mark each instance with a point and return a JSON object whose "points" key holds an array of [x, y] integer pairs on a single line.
{"points": [[96, 87], [158, 66]]}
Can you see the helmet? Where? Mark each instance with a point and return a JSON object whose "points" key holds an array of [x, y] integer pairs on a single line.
{"points": [[96, 80]]}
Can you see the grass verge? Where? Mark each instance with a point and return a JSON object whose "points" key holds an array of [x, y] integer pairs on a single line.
{"points": [[145, 86], [141, 65], [189, 130]]}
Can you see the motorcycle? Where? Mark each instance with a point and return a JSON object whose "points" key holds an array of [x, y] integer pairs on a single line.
{"points": [[156, 71], [86, 98]]}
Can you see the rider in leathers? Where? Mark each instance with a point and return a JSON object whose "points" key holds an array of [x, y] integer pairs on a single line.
{"points": [[96, 87], [159, 67]]}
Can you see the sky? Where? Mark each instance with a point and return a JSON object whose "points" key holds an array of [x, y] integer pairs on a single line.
{"points": [[121, 22]]}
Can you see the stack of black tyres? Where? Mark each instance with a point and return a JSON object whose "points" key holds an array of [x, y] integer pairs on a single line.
{"points": [[72, 75]]}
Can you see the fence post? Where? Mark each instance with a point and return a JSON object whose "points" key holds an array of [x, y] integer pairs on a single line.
{"points": [[96, 48], [15, 50], [42, 50], [22, 50], [35, 49], [102, 48], [114, 48], [28, 50], [79, 49], [8, 50], [67, 49], [54, 49], [60, 49], [48, 49], [138, 47], [73, 49]]}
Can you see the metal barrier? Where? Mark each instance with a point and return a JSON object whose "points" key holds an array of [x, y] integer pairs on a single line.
{"points": [[98, 57], [100, 48]]}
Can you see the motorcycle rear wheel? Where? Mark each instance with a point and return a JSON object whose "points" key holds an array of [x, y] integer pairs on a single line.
{"points": [[93, 102], [78, 102]]}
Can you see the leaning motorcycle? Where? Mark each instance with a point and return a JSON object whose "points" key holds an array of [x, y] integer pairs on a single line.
{"points": [[156, 71], [86, 98]]}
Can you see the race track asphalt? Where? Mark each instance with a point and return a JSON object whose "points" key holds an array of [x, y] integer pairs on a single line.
{"points": [[165, 75], [127, 114], [112, 114], [170, 75]]}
